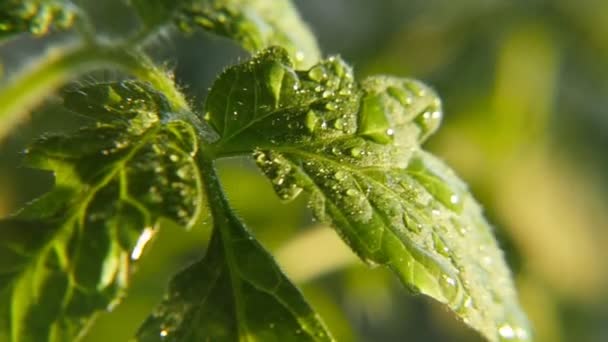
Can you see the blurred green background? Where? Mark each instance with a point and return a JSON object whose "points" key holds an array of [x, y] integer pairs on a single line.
{"points": [[525, 91]]}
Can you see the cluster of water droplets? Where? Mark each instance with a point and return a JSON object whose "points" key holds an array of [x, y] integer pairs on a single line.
{"points": [[420, 201], [330, 91], [399, 108], [281, 173]]}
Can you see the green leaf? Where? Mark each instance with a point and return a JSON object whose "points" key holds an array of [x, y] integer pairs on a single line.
{"points": [[236, 293], [255, 24], [34, 16], [69, 254], [356, 149], [155, 13]]}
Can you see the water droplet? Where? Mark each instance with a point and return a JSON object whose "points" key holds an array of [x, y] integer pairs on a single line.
{"points": [[299, 56], [428, 122], [164, 333], [339, 123], [331, 106], [311, 120], [373, 123], [449, 287], [439, 188], [506, 331], [411, 224], [174, 157], [356, 152], [317, 73], [440, 246], [274, 76], [345, 92], [351, 192], [340, 175]]}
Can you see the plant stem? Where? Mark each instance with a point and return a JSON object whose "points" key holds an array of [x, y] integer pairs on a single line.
{"points": [[60, 65]]}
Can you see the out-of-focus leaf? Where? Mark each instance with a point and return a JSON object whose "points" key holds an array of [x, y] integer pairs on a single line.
{"points": [[236, 293], [356, 149], [34, 16], [155, 13], [255, 24], [68, 255]]}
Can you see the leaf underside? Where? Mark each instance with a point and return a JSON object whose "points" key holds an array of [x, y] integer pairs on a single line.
{"points": [[34, 16], [69, 254], [356, 149], [236, 293]]}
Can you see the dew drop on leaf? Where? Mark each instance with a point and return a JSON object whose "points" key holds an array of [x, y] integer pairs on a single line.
{"points": [[440, 246], [373, 123], [428, 121], [318, 73], [311, 120], [274, 76], [356, 152], [435, 185], [450, 287]]}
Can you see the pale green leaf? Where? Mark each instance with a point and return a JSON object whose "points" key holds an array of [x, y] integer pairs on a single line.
{"points": [[34, 16], [236, 293], [69, 254], [356, 149]]}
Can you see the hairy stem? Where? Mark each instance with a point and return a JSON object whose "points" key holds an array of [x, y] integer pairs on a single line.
{"points": [[61, 65]]}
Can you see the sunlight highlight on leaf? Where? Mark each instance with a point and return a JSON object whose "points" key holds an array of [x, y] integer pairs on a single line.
{"points": [[356, 149], [69, 254]]}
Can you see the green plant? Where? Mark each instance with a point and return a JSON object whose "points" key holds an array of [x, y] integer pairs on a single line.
{"points": [[354, 146]]}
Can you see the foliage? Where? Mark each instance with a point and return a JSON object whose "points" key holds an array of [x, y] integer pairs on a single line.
{"points": [[354, 146]]}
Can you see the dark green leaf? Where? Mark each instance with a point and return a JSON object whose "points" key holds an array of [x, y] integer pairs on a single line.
{"points": [[34, 16], [356, 150], [236, 293], [68, 255], [255, 24]]}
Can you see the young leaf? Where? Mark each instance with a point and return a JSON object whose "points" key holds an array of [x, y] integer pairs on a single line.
{"points": [[34, 16], [68, 255], [236, 293], [255, 24], [356, 150]]}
